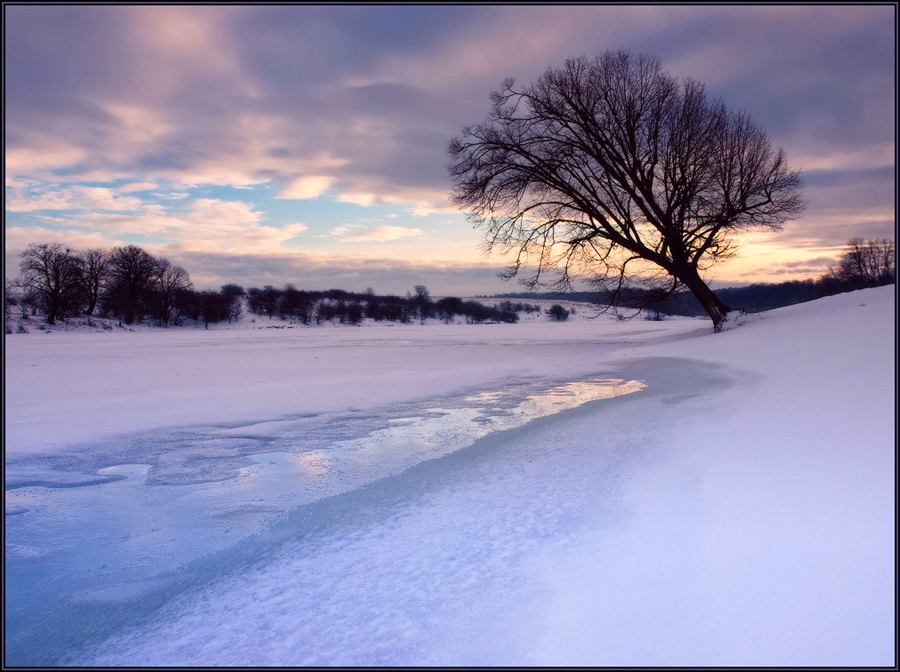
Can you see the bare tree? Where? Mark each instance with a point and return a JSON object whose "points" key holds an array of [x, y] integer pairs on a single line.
{"points": [[611, 168], [11, 295], [54, 274], [422, 302], [168, 281], [96, 265], [235, 294], [865, 263], [132, 277]]}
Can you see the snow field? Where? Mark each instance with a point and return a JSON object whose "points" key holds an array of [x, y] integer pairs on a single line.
{"points": [[739, 510]]}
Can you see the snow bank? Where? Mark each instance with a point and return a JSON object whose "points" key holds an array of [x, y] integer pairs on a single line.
{"points": [[766, 534]]}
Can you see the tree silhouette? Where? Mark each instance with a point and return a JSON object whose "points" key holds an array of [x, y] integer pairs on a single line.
{"points": [[54, 275], [132, 277], [864, 263], [613, 169], [96, 265], [422, 302], [168, 280]]}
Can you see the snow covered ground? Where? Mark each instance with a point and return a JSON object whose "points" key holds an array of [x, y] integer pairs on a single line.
{"points": [[591, 492]]}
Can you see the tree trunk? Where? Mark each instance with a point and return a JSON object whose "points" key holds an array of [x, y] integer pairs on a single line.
{"points": [[92, 303], [711, 303], [52, 308]]}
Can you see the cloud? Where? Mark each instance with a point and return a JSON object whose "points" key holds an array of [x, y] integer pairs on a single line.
{"points": [[311, 186], [171, 195], [137, 186], [141, 125], [356, 104], [39, 159], [352, 273], [226, 226], [17, 238], [71, 198], [358, 233], [850, 159], [201, 224]]}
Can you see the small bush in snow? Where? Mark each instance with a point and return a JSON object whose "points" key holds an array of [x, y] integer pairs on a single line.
{"points": [[557, 312]]}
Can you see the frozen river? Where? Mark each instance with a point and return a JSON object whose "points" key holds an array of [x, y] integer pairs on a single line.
{"points": [[99, 541]]}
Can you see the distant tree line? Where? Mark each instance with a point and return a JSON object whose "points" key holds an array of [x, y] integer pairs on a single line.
{"points": [[864, 263], [129, 284], [132, 286], [126, 283], [308, 307]]}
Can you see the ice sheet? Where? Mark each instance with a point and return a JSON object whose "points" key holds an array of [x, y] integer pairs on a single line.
{"points": [[196, 491]]}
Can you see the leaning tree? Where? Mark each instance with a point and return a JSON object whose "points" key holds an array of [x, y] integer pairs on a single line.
{"points": [[612, 169]]}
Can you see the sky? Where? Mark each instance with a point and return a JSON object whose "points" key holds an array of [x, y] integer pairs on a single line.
{"points": [[307, 144]]}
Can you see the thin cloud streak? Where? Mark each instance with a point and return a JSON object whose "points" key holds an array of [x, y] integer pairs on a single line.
{"points": [[320, 272], [356, 233]]}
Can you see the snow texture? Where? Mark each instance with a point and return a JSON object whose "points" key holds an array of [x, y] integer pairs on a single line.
{"points": [[592, 492]]}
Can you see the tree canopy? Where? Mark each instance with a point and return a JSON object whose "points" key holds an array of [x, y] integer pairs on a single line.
{"points": [[613, 169], [54, 274]]}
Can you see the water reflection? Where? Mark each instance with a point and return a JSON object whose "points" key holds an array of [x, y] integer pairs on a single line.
{"points": [[305, 468]]}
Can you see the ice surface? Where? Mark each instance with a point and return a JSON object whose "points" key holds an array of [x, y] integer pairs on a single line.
{"points": [[198, 490]]}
